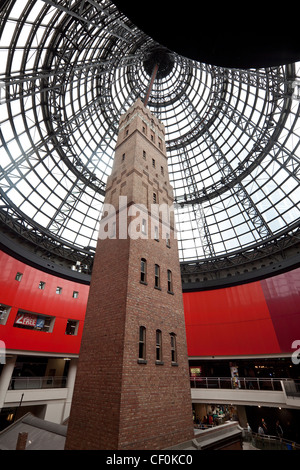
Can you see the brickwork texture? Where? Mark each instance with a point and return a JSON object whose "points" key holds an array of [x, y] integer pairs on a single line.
{"points": [[122, 401]]}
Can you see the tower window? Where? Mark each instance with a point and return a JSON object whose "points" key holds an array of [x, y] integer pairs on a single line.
{"points": [[75, 294], [154, 198], [170, 283], [42, 285], [156, 234], [123, 157], [168, 240], [59, 290], [142, 345], [162, 170], [18, 277], [173, 348], [144, 155], [158, 346], [152, 137], [144, 226], [157, 276], [143, 271], [153, 162]]}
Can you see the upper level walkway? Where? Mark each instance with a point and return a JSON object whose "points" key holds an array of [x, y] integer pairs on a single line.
{"points": [[246, 391]]}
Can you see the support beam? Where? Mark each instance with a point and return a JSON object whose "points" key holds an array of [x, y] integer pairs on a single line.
{"points": [[153, 77]]}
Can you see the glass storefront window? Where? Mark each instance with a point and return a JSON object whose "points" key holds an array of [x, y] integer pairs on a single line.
{"points": [[33, 321], [4, 313]]}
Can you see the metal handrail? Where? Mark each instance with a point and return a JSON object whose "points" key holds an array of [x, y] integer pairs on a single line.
{"points": [[245, 383], [292, 388], [269, 442], [26, 383]]}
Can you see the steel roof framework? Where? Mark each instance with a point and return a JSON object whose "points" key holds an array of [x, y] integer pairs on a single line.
{"points": [[68, 71]]}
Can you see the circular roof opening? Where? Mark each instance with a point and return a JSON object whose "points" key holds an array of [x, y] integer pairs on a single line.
{"points": [[161, 57]]}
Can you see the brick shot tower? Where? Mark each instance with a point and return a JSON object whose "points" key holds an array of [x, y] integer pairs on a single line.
{"points": [[132, 390]]}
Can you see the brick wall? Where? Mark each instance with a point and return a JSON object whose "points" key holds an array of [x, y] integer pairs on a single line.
{"points": [[120, 402]]}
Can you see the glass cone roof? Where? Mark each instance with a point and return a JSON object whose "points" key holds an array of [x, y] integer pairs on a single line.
{"points": [[69, 69]]}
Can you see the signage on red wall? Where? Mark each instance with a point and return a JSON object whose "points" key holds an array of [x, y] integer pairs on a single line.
{"points": [[29, 308], [25, 319]]}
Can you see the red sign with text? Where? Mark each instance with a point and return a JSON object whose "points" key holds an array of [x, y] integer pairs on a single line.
{"points": [[26, 319]]}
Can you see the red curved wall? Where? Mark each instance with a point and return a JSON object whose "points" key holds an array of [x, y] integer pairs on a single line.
{"points": [[27, 296], [258, 318]]}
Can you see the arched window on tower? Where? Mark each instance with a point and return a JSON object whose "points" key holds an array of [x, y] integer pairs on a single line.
{"points": [[158, 346], [168, 240], [142, 345], [173, 348], [170, 282], [143, 278], [157, 276]]}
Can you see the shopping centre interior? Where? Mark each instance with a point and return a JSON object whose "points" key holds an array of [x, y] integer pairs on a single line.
{"points": [[228, 100]]}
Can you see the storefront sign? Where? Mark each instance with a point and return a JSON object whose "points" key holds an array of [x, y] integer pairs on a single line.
{"points": [[25, 319], [195, 371]]}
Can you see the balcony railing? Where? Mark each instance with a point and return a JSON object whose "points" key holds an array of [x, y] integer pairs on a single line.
{"points": [[267, 442], [292, 388], [247, 383], [26, 383]]}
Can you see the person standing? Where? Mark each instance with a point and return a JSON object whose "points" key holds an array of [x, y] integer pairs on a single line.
{"points": [[279, 430], [260, 430], [264, 426]]}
